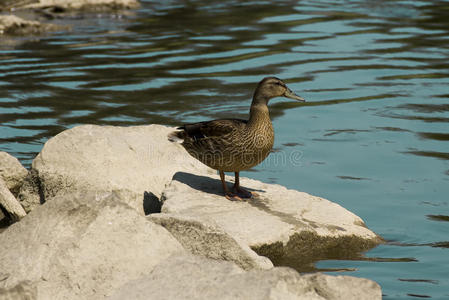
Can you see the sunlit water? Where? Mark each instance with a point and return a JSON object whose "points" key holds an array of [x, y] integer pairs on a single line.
{"points": [[372, 137]]}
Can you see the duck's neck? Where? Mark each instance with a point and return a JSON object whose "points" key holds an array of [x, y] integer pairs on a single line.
{"points": [[258, 113]]}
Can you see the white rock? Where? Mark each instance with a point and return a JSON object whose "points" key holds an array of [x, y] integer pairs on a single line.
{"points": [[279, 224], [132, 160], [344, 287], [11, 24], [82, 4], [82, 247], [12, 175], [189, 277], [207, 239], [12, 172], [10, 203]]}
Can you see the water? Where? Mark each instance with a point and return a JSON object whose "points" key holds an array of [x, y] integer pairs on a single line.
{"points": [[372, 137]]}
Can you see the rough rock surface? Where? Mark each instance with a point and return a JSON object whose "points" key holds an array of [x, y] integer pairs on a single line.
{"points": [[138, 161], [12, 172], [34, 10], [282, 224], [13, 25], [82, 247], [22, 291], [12, 175], [86, 245], [189, 277], [210, 241], [10, 203]]}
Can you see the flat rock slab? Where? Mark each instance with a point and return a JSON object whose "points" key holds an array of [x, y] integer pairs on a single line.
{"points": [[209, 240], [282, 224], [138, 161], [82, 246], [190, 277]]}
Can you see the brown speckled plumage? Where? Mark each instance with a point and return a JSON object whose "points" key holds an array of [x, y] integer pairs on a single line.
{"points": [[234, 145]]}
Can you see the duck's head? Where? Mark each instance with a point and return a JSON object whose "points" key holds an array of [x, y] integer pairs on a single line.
{"points": [[271, 87]]}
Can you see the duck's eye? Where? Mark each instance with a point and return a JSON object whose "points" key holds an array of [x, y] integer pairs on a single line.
{"points": [[280, 84]]}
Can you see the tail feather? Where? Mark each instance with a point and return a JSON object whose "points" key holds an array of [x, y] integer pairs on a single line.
{"points": [[176, 136]]}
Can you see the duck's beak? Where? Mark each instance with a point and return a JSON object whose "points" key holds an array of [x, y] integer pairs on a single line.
{"points": [[289, 94]]}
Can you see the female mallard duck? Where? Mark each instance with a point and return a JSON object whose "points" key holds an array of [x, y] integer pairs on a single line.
{"points": [[234, 145]]}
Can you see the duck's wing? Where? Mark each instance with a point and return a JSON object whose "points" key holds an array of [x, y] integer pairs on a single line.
{"points": [[213, 128]]}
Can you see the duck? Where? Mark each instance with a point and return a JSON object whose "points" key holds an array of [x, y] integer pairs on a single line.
{"points": [[235, 145]]}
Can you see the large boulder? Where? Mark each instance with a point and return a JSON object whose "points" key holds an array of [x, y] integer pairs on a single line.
{"points": [[138, 161], [189, 277], [12, 172], [90, 236], [290, 227], [82, 246]]}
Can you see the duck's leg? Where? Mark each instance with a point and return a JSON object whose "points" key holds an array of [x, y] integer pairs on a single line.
{"points": [[228, 194], [241, 191]]}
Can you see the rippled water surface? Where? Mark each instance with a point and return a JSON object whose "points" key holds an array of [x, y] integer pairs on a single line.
{"points": [[372, 137]]}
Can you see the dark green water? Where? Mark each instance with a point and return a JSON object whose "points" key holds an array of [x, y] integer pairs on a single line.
{"points": [[372, 137]]}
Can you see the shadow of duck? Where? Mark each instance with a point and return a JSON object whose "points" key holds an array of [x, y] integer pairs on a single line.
{"points": [[203, 183]]}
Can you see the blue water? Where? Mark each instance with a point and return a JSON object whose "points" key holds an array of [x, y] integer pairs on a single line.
{"points": [[373, 135]]}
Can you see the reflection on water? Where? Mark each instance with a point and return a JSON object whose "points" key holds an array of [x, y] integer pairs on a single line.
{"points": [[373, 134], [438, 218]]}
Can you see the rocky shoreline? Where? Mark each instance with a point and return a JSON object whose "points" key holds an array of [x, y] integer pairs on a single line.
{"points": [[33, 17], [109, 212]]}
